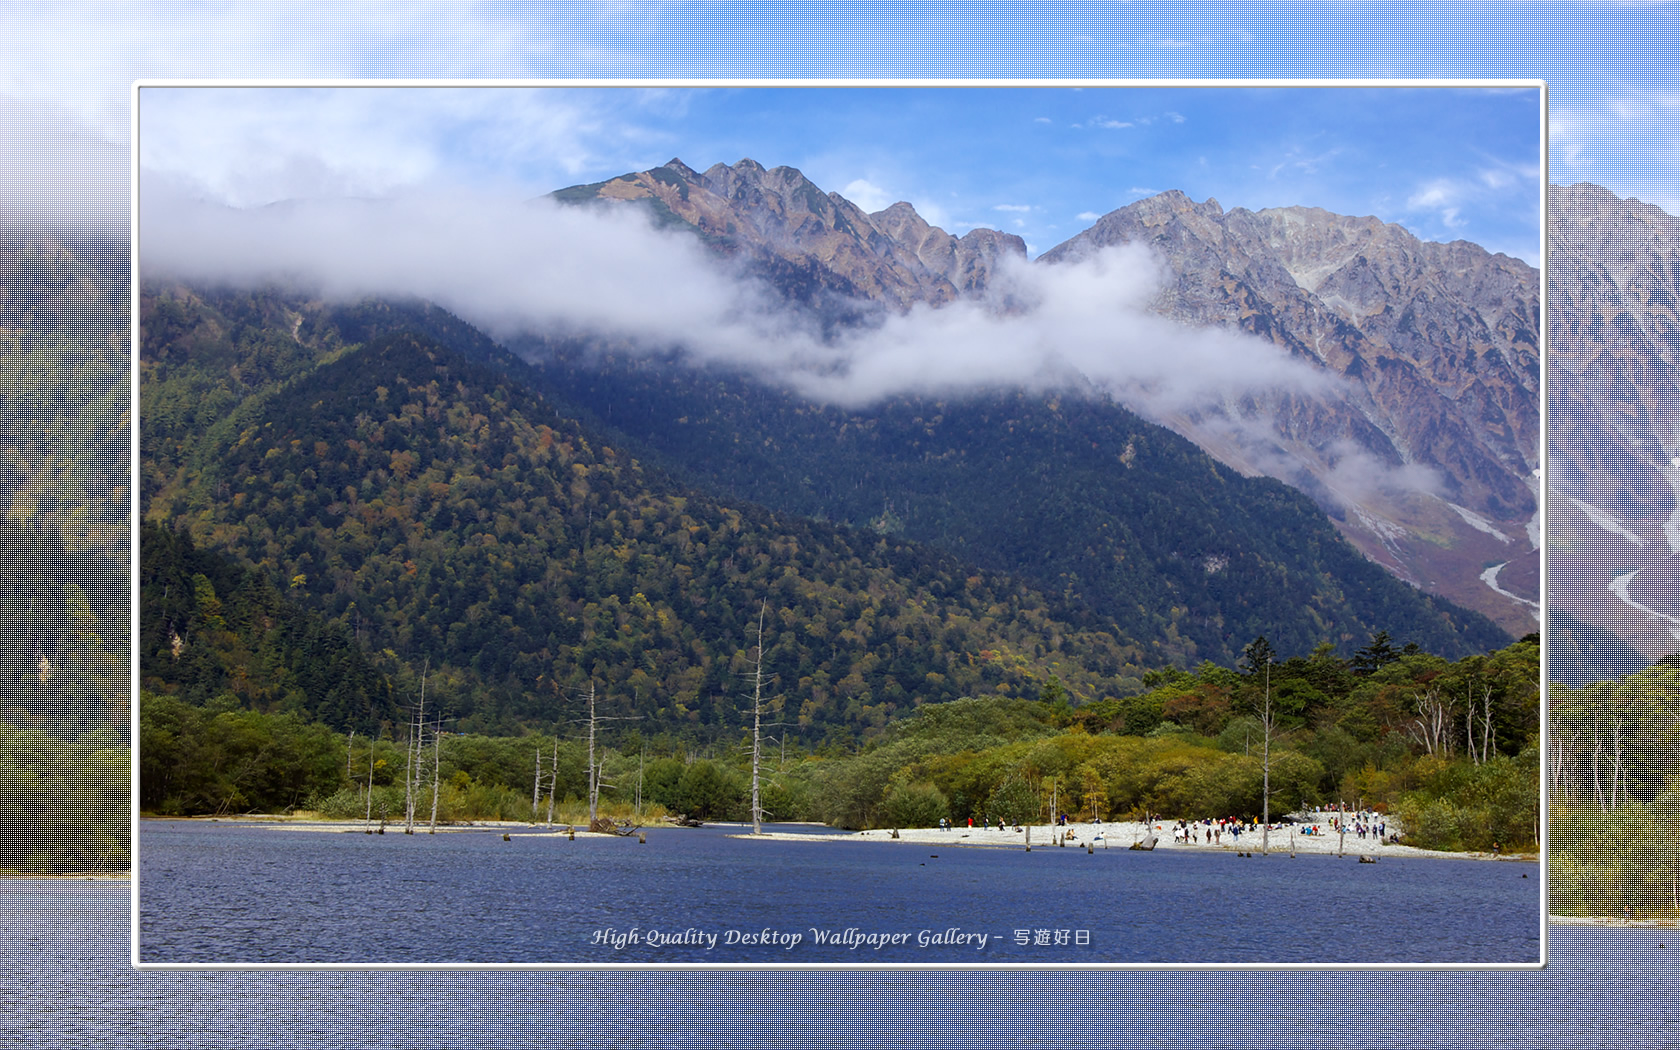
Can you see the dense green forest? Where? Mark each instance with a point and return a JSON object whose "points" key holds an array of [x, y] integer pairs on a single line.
{"points": [[1125, 520], [1615, 795], [1361, 733], [439, 511], [64, 492]]}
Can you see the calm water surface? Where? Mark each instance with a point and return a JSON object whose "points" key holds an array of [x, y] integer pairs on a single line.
{"points": [[65, 981], [221, 893]]}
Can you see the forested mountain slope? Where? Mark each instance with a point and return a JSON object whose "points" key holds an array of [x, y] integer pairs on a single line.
{"points": [[64, 500], [441, 509], [1122, 517]]}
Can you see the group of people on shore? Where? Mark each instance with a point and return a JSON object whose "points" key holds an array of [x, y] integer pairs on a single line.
{"points": [[1364, 825], [1216, 831], [1208, 831]]}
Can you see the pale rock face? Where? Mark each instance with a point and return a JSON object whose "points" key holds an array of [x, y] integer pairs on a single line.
{"points": [[1614, 414], [1438, 346]]}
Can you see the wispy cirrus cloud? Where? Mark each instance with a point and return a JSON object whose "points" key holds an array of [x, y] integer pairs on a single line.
{"points": [[1442, 198], [1108, 123]]}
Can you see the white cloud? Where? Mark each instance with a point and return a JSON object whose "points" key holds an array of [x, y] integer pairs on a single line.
{"points": [[60, 174], [867, 195], [1443, 201], [534, 268], [85, 56], [1434, 194], [255, 146], [1012, 207], [1299, 162], [1088, 216]]}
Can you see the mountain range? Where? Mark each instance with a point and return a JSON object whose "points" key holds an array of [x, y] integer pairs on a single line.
{"points": [[519, 525], [1423, 448], [1613, 432]]}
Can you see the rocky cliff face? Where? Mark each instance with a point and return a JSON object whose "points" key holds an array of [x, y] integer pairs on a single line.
{"points": [[1614, 419], [1437, 345], [813, 244]]}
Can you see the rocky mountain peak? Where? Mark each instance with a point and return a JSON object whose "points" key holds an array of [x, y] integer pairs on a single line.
{"points": [[1438, 347], [1585, 217], [810, 243], [675, 164]]}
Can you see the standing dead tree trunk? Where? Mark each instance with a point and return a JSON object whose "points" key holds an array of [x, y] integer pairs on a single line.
{"points": [[536, 787], [437, 747], [416, 753], [594, 770], [368, 818], [1618, 769], [595, 781], [1561, 748], [1470, 726], [1597, 755], [553, 780], [1432, 725], [1487, 721], [760, 704]]}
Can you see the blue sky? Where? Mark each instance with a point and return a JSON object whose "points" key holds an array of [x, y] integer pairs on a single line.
{"points": [[1043, 162], [1614, 80]]}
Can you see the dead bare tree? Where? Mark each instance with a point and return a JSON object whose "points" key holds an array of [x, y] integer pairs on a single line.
{"points": [[553, 780], [415, 752], [536, 787], [1597, 754], [368, 818], [1487, 721], [1560, 752], [594, 780], [1431, 727], [1618, 769], [759, 706], [437, 747], [594, 770]]}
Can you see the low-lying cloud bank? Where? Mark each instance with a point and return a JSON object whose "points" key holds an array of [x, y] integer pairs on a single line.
{"points": [[536, 269]]}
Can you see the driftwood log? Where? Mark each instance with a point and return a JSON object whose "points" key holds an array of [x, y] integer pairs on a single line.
{"points": [[603, 826]]}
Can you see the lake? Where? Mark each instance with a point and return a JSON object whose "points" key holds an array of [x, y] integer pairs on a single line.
{"points": [[66, 981], [223, 892]]}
